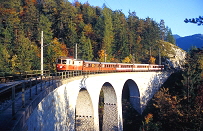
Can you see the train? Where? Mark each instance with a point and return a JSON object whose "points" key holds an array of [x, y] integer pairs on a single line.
{"points": [[71, 64]]}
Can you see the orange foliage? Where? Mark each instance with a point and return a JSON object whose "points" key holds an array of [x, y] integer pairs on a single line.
{"points": [[139, 39], [88, 29], [148, 118], [64, 50], [60, 48], [152, 60], [7, 11], [77, 4], [102, 55], [115, 60], [30, 2], [79, 18], [126, 60]]}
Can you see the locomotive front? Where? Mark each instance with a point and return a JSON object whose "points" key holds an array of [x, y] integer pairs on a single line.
{"points": [[68, 64]]}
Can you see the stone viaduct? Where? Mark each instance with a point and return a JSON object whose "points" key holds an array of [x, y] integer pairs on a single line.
{"points": [[75, 104]]}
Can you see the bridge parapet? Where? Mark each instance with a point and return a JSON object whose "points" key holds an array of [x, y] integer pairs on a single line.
{"points": [[66, 108]]}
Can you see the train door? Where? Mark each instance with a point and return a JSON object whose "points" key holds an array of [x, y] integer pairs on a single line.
{"points": [[78, 64]]}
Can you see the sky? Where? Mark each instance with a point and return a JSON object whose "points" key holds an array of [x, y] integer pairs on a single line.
{"points": [[173, 12]]}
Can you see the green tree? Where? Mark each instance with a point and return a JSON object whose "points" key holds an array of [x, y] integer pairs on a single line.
{"points": [[169, 36], [150, 36], [45, 26], [162, 29], [120, 46], [108, 32], [134, 30], [85, 48], [30, 19], [5, 63], [98, 29], [53, 51], [23, 54]]}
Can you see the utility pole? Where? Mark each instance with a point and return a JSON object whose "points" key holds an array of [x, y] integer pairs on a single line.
{"points": [[42, 53], [159, 56], [150, 51], [105, 56], [76, 51]]}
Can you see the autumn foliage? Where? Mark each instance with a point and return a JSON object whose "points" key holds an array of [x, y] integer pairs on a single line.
{"points": [[99, 33], [178, 105]]}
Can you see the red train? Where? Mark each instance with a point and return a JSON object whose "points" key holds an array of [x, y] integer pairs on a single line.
{"points": [[69, 64]]}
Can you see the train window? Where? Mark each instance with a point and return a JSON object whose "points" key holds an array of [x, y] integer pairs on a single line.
{"points": [[63, 61], [59, 61]]}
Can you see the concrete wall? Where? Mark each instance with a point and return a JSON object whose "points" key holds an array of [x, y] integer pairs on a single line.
{"points": [[74, 105]]}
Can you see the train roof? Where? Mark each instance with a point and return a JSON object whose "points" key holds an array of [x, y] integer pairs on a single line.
{"points": [[125, 63], [107, 63], [91, 61], [65, 57]]}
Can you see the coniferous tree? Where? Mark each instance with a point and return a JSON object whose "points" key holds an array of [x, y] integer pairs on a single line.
{"points": [[85, 48], [23, 54], [169, 36], [30, 19], [5, 56], [162, 29], [121, 48], [99, 27], [133, 37], [108, 33]]}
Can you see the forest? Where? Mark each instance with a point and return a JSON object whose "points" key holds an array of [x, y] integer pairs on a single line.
{"points": [[178, 105], [99, 33]]}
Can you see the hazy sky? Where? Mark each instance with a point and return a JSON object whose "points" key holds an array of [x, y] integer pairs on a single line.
{"points": [[173, 12]]}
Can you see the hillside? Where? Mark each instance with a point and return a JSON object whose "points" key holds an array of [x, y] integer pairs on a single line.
{"points": [[187, 42], [176, 36]]}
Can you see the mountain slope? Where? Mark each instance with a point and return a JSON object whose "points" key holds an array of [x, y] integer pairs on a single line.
{"points": [[187, 42], [176, 36]]}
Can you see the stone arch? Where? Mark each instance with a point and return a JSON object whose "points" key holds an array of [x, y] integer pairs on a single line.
{"points": [[130, 105], [84, 114], [109, 117], [131, 92]]}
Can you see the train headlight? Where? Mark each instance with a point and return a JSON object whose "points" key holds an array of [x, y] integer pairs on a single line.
{"points": [[61, 66]]}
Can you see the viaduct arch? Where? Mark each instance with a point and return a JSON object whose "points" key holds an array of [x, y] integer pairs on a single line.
{"points": [[77, 103]]}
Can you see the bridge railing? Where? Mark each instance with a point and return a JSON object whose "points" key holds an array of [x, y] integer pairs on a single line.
{"points": [[15, 95]]}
